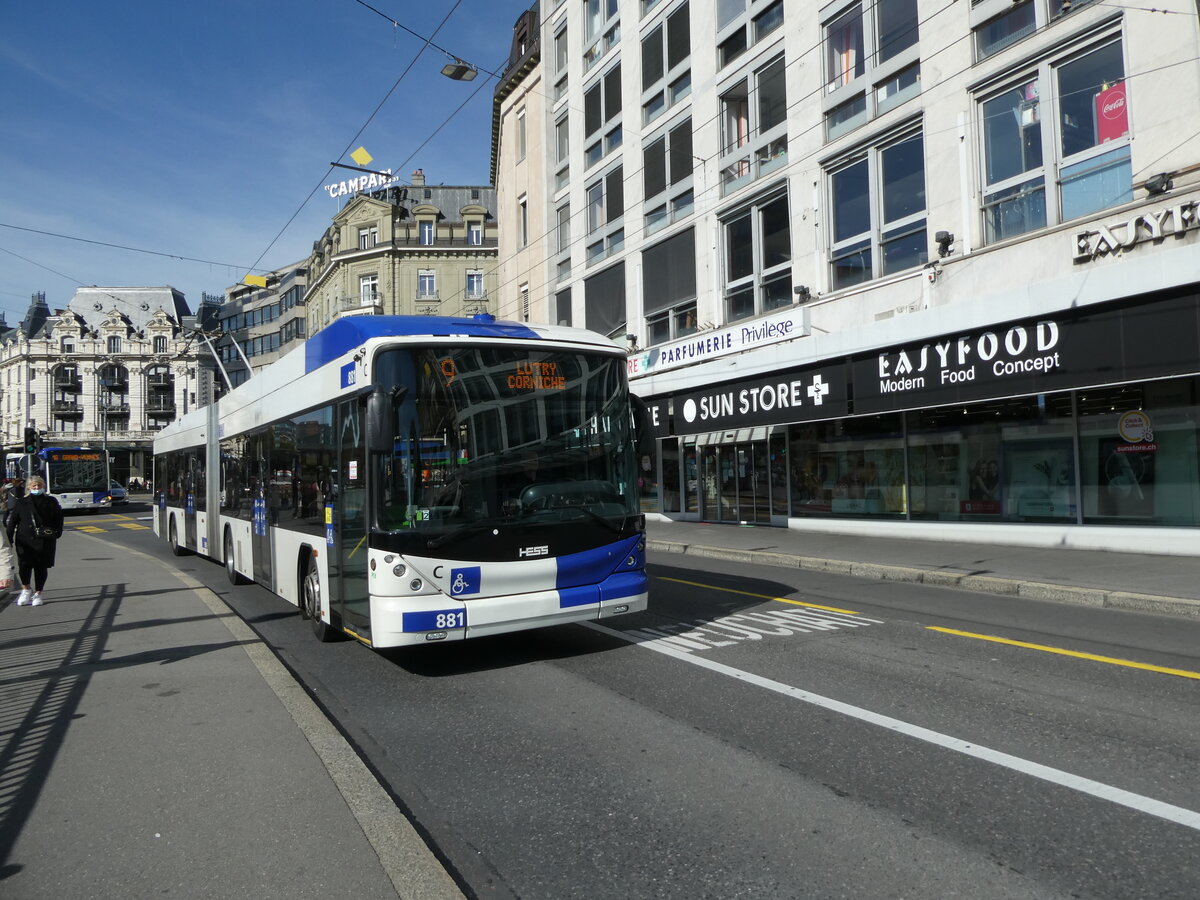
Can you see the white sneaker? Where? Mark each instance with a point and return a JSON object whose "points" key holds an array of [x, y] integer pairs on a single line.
{"points": [[23, 597], [37, 599]]}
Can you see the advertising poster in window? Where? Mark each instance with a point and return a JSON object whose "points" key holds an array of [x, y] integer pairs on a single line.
{"points": [[1126, 479], [1041, 480]]}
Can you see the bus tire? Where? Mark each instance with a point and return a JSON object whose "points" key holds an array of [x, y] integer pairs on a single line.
{"points": [[235, 577], [310, 603], [177, 548]]}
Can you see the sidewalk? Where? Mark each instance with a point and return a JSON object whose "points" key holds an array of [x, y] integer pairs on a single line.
{"points": [[151, 745], [1160, 584]]}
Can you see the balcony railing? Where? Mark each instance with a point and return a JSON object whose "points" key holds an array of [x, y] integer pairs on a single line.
{"points": [[364, 304], [158, 407], [114, 408], [68, 383], [66, 408]]}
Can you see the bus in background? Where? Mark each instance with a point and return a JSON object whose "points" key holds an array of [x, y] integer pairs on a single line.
{"points": [[77, 476], [406, 480]]}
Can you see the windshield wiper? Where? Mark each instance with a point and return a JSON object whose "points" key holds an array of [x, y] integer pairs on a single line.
{"points": [[461, 532], [615, 529]]}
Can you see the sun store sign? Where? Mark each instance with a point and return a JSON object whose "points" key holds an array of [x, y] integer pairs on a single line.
{"points": [[1118, 237]]}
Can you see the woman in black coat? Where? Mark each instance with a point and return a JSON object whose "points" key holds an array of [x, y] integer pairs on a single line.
{"points": [[34, 526]]}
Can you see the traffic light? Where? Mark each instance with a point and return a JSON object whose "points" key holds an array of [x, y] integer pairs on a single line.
{"points": [[40, 437], [31, 440]]}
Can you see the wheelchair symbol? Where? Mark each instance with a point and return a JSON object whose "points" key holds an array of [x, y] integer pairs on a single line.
{"points": [[459, 585]]}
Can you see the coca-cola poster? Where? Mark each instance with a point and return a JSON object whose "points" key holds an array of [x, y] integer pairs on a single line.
{"points": [[1112, 113]]}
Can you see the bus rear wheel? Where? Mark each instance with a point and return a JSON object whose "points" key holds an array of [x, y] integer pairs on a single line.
{"points": [[310, 600]]}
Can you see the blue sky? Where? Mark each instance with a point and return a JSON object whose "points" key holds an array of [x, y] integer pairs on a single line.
{"points": [[198, 129]]}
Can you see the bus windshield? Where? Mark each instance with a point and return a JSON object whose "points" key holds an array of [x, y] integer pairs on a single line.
{"points": [[76, 471], [493, 437]]}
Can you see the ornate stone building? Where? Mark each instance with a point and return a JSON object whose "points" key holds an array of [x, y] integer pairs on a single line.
{"points": [[412, 250], [113, 367]]}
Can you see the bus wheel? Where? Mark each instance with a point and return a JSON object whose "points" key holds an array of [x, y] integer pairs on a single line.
{"points": [[177, 548], [311, 600], [235, 577]]}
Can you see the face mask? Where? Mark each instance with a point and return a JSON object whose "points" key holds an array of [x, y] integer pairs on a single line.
{"points": [[37, 492]]}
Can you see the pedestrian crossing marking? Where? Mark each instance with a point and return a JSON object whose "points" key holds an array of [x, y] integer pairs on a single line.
{"points": [[134, 525], [88, 528]]}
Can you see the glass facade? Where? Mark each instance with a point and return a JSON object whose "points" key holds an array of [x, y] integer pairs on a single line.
{"points": [[1125, 455]]}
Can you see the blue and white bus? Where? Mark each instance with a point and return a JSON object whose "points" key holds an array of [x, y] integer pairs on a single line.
{"points": [[77, 476], [381, 478]]}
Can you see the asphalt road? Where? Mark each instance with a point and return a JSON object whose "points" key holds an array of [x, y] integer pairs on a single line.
{"points": [[779, 733]]}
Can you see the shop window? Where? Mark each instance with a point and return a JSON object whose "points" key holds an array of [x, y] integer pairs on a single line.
{"points": [[871, 61], [1050, 159], [758, 260], [848, 468], [753, 126], [878, 212]]}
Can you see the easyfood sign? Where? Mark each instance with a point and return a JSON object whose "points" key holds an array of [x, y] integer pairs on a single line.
{"points": [[706, 345], [1118, 237]]}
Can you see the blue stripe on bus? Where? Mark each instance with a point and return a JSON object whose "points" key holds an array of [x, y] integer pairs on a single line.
{"points": [[343, 335], [593, 566], [579, 596], [622, 585]]}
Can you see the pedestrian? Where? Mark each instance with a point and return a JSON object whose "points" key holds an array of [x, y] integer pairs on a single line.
{"points": [[34, 526]]}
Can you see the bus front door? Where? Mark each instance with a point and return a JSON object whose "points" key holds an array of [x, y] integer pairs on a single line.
{"points": [[349, 491]]}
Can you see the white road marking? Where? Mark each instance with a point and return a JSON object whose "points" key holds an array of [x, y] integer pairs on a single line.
{"points": [[1177, 814]]}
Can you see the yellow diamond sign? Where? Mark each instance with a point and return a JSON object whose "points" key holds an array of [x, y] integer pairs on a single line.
{"points": [[361, 156], [255, 280]]}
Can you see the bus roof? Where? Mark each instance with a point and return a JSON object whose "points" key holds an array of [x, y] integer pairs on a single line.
{"points": [[348, 332]]}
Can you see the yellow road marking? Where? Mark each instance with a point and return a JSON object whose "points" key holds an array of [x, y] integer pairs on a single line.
{"points": [[133, 525], [1182, 673], [849, 612], [88, 528]]}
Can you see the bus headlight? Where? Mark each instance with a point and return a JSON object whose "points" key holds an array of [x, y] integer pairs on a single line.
{"points": [[415, 585], [399, 570]]}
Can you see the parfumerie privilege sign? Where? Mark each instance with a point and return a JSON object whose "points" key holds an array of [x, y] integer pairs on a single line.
{"points": [[1136, 340]]}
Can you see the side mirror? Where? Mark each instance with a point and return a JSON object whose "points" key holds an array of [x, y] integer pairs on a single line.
{"points": [[381, 417], [643, 431]]}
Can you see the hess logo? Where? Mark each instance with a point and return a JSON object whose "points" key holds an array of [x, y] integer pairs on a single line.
{"points": [[543, 550]]}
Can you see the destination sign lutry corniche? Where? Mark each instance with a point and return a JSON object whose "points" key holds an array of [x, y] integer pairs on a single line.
{"points": [[1150, 338]]}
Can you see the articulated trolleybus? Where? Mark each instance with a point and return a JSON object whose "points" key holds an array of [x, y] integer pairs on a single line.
{"points": [[416, 479]]}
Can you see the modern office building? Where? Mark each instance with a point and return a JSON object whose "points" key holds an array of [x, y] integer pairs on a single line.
{"points": [[260, 323], [417, 249], [920, 268], [110, 369]]}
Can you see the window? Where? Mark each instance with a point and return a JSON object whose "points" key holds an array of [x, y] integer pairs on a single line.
{"points": [[878, 212], [1005, 29], [604, 301], [666, 57], [1069, 157], [562, 140], [520, 135], [474, 285], [368, 237], [669, 288], [522, 222], [758, 259], [474, 233], [754, 126], [368, 289], [562, 307], [563, 228], [871, 61], [426, 285], [525, 303], [601, 116], [601, 29], [667, 167], [425, 233], [114, 344], [160, 344], [605, 209], [66, 345], [741, 24]]}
